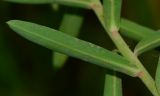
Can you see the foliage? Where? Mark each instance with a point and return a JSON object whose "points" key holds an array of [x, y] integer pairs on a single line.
{"points": [[109, 15]]}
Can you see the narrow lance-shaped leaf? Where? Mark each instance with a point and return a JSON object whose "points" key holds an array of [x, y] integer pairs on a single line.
{"points": [[128, 28], [74, 47], [31, 1], [75, 3], [147, 44], [113, 84], [70, 25], [134, 30], [157, 78], [112, 11]]}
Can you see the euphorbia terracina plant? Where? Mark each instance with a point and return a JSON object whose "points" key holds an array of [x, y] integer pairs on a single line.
{"points": [[109, 14]]}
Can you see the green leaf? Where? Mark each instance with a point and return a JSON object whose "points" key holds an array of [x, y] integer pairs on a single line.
{"points": [[75, 3], [112, 12], [157, 78], [113, 84], [60, 42], [70, 25], [134, 30], [147, 44], [31, 1]]}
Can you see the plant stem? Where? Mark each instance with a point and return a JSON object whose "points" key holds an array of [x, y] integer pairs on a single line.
{"points": [[125, 51]]}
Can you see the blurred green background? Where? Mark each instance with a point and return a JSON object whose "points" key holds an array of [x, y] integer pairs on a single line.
{"points": [[26, 68]]}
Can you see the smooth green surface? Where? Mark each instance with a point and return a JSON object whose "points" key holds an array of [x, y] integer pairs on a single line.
{"points": [[127, 53], [127, 28], [112, 11], [71, 46], [71, 24], [147, 44], [157, 78], [113, 85], [31, 1], [75, 3], [134, 30]]}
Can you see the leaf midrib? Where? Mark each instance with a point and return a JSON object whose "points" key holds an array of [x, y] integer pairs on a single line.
{"points": [[146, 45], [109, 61]]}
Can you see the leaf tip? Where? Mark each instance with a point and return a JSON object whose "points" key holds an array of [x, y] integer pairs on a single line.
{"points": [[11, 22]]}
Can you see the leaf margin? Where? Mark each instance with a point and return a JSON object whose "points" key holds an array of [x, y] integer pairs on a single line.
{"points": [[131, 70]]}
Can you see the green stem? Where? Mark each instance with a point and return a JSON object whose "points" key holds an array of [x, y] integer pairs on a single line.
{"points": [[126, 52], [71, 24]]}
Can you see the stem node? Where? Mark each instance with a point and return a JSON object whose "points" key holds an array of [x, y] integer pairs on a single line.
{"points": [[140, 74]]}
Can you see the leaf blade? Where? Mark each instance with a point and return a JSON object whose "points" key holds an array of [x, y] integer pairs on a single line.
{"points": [[134, 30], [71, 46], [112, 12], [75, 3], [113, 84], [147, 44], [70, 27], [157, 77]]}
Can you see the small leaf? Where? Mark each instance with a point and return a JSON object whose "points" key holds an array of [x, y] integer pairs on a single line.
{"points": [[112, 12], [134, 30], [147, 44], [157, 78], [71, 46], [113, 84], [70, 25], [75, 3]]}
